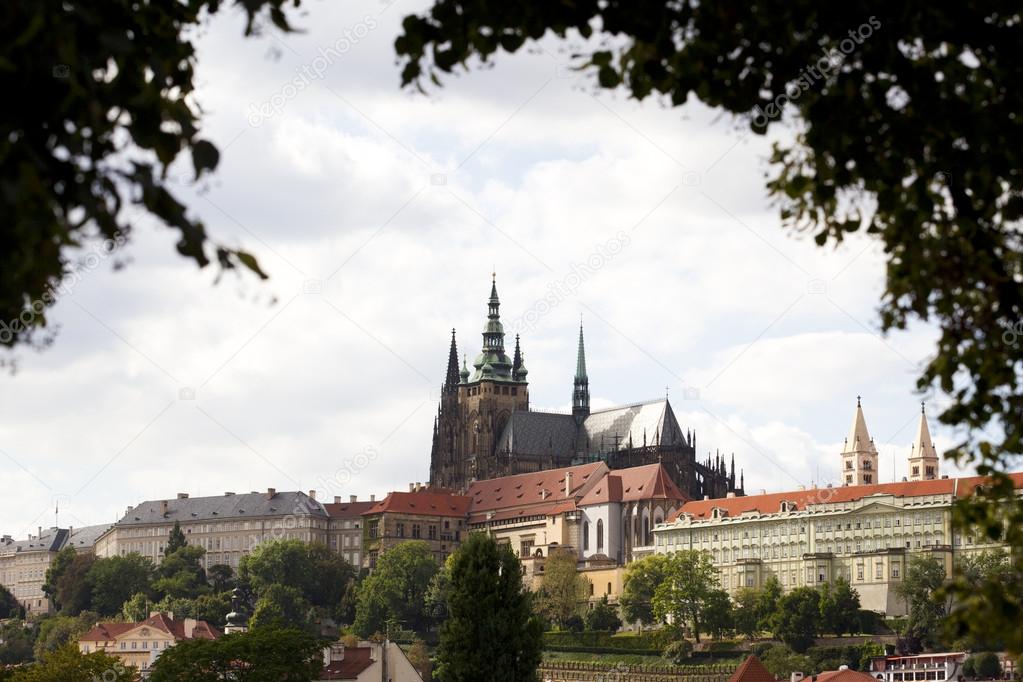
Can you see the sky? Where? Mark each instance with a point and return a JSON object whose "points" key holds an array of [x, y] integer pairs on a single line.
{"points": [[380, 215]]}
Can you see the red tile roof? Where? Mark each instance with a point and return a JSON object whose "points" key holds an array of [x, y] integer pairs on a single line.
{"points": [[533, 494], [104, 632], [751, 670], [843, 676], [423, 502], [343, 510], [351, 666], [648, 482], [771, 503]]}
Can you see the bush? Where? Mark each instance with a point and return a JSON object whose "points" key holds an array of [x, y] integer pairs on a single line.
{"points": [[970, 668], [678, 652], [603, 616], [575, 624]]}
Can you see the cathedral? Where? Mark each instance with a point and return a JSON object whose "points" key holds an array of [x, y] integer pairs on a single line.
{"points": [[485, 428]]}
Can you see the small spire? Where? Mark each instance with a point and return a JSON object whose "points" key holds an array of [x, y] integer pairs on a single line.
{"points": [[922, 411], [857, 401]]}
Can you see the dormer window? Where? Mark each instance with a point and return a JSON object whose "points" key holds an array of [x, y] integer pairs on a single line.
{"points": [[718, 513], [788, 506]]}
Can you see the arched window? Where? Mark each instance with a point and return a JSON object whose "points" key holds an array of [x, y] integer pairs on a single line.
{"points": [[600, 535], [586, 536], [647, 540]]}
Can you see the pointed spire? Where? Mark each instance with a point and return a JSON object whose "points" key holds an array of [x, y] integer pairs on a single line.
{"points": [[516, 359], [580, 358], [581, 385], [922, 454], [859, 439], [464, 374], [451, 380]]}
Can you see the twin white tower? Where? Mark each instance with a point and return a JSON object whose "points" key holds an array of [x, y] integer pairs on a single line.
{"points": [[859, 456]]}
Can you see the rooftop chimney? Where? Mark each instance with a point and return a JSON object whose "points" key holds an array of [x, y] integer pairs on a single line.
{"points": [[353, 498], [337, 499], [270, 492], [312, 494], [411, 487], [568, 484], [182, 496], [163, 508], [228, 494], [372, 498], [731, 493], [190, 624]]}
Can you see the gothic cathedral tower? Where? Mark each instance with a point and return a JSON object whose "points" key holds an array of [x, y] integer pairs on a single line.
{"points": [[923, 458], [474, 407]]}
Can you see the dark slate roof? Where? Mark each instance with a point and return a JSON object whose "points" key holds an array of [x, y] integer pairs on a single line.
{"points": [[608, 430], [86, 536], [50, 540], [539, 433], [223, 507]]}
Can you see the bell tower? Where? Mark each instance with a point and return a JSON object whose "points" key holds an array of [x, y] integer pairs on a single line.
{"points": [[859, 456], [923, 458]]}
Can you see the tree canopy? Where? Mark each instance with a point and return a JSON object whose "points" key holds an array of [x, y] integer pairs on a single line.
{"points": [[394, 591], [491, 632], [689, 583], [260, 655], [563, 590], [641, 579]]}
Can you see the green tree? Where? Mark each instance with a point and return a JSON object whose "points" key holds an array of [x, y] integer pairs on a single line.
{"points": [[839, 608], [116, 579], [987, 666], [980, 580], [104, 116], [717, 615], [641, 579], [689, 580], [283, 606], [181, 574], [221, 577], [394, 590], [9, 606], [491, 632], [563, 590], [745, 612], [137, 608], [678, 651], [767, 606], [781, 661], [260, 655], [437, 593], [68, 665], [917, 148], [321, 576], [58, 631], [56, 569], [796, 622], [175, 540], [603, 617], [73, 586], [419, 657], [16, 641], [921, 582]]}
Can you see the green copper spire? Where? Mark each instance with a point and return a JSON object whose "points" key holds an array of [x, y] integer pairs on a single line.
{"points": [[493, 363], [581, 388]]}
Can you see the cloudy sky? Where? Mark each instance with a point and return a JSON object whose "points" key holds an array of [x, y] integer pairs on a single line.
{"points": [[380, 215]]}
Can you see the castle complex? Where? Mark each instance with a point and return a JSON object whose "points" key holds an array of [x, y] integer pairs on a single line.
{"points": [[485, 428]]}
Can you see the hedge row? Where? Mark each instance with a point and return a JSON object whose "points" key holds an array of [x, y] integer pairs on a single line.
{"points": [[653, 640]]}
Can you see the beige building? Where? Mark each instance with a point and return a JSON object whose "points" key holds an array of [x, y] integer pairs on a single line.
{"points": [[865, 534], [23, 563], [433, 516], [227, 526], [345, 527], [139, 644]]}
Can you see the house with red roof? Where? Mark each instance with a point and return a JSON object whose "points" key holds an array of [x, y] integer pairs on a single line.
{"points": [[140, 644], [367, 662], [434, 516]]}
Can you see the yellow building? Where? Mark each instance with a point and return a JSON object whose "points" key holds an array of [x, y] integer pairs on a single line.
{"points": [[139, 644]]}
